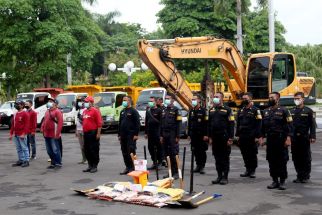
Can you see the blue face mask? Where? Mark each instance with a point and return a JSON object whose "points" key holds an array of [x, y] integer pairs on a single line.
{"points": [[167, 102], [80, 104], [86, 105], [216, 100], [151, 104], [50, 105], [194, 103], [124, 104]]}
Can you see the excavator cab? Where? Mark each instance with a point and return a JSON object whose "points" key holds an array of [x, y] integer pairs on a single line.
{"points": [[269, 72]]}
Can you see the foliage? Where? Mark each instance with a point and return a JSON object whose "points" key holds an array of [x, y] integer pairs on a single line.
{"points": [[36, 36]]}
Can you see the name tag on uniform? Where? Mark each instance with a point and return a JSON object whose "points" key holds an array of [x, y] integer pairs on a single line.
{"points": [[304, 114]]}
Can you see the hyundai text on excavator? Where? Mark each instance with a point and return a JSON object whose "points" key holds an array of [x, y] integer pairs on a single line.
{"points": [[263, 73]]}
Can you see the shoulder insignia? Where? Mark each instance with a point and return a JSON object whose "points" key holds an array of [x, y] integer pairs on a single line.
{"points": [[179, 118]]}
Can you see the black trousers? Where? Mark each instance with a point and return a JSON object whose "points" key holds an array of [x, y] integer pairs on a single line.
{"points": [[301, 156], [128, 146], [277, 155], [249, 150], [221, 152], [91, 148], [200, 147], [155, 148], [171, 148]]}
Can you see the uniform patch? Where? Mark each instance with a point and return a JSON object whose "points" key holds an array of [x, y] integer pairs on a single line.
{"points": [[179, 118], [231, 118], [304, 114], [289, 119], [206, 117], [259, 115]]}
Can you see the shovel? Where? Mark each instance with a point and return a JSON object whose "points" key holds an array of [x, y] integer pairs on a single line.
{"points": [[189, 204]]}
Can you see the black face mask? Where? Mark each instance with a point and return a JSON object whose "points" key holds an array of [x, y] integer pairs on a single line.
{"points": [[245, 102], [271, 103], [27, 107]]}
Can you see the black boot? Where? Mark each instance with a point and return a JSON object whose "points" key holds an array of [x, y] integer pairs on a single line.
{"points": [[219, 178], [245, 174], [224, 179], [25, 164], [18, 163], [275, 184], [88, 169], [197, 169], [202, 171], [282, 184], [252, 174]]}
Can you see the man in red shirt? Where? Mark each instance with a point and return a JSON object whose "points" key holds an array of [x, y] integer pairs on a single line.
{"points": [[31, 129], [19, 129], [51, 128], [92, 125]]}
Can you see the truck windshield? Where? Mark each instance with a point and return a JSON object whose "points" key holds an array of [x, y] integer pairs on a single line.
{"points": [[257, 84], [103, 99], [66, 102], [144, 98], [25, 97], [6, 105]]}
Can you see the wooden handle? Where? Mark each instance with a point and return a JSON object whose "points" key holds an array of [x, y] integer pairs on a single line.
{"points": [[179, 172], [169, 166], [204, 200]]}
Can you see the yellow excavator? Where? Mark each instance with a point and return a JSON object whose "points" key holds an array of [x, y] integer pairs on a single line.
{"points": [[263, 73]]}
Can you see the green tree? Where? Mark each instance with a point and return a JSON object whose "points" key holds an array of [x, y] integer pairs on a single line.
{"points": [[36, 36]]}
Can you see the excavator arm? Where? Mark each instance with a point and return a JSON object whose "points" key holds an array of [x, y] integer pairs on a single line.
{"points": [[158, 55]]}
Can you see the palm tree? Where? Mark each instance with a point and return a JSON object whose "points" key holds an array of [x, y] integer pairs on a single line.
{"points": [[241, 6]]}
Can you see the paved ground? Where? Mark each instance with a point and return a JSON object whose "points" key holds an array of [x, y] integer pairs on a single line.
{"points": [[36, 190]]}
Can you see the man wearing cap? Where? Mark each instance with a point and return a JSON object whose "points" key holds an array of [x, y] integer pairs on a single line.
{"points": [[51, 128], [129, 127], [19, 129], [92, 125]]}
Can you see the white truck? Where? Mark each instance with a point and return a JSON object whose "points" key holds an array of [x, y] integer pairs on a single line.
{"points": [[158, 92], [39, 100], [67, 103]]}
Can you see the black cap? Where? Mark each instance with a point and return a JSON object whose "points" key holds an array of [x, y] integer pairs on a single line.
{"points": [[53, 100], [20, 102]]}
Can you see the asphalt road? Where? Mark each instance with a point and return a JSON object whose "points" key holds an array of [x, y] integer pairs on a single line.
{"points": [[36, 190]]}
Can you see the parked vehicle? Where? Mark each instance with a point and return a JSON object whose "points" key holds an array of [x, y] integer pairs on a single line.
{"points": [[110, 106], [39, 100], [7, 110], [67, 103]]}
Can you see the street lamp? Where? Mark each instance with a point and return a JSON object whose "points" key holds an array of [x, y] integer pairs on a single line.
{"points": [[3, 77], [128, 68]]}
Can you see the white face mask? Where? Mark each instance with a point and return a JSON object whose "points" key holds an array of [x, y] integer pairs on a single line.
{"points": [[297, 102]]}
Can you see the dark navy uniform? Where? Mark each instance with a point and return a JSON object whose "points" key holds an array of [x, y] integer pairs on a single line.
{"points": [[129, 126], [152, 130], [277, 125], [170, 130], [249, 126], [220, 129], [197, 130], [304, 130]]}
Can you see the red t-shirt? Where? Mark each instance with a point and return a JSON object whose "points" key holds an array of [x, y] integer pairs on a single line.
{"points": [[20, 124], [32, 121], [92, 119], [49, 127]]}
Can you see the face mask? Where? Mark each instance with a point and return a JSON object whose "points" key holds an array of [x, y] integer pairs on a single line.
{"points": [[216, 100], [27, 107], [86, 105], [194, 103], [271, 103], [167, 102], [50, 105], [151, 104], [80, 104], [297, 102], [124, 104], [245, 102]]}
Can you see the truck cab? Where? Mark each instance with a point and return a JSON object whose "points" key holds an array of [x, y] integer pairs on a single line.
{"points": [[110, 106], [39, 100], [67, 103]]}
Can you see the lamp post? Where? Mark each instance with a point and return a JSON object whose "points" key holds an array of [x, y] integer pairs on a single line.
{"points": [[128, 68]]}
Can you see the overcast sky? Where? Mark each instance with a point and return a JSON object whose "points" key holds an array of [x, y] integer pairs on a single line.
{"points": [[301, 18]]}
